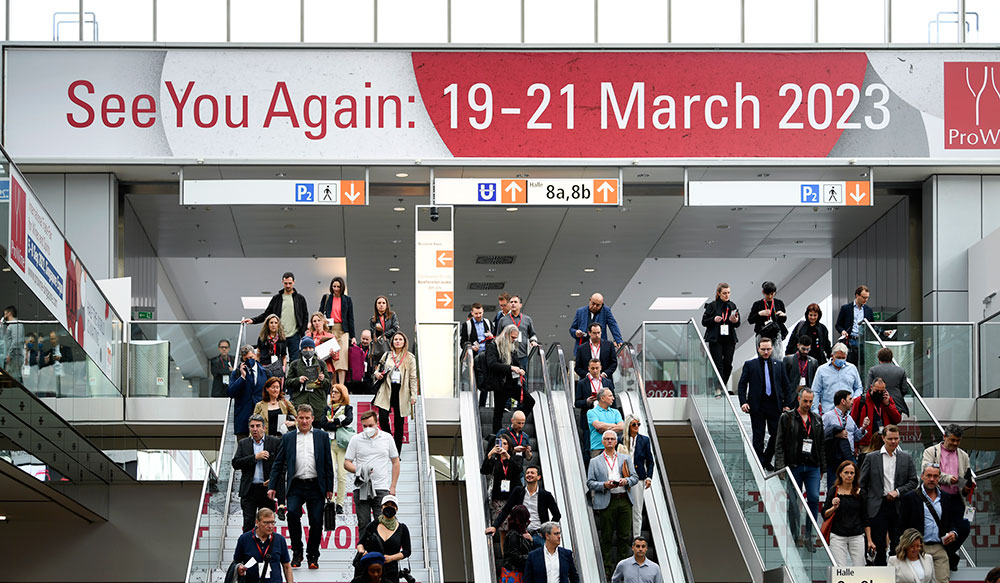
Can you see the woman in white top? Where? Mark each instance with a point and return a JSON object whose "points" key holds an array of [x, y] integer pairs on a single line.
{"points": [[911, 563]]}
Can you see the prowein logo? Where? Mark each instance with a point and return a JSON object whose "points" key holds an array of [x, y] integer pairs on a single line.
{"points": [[972, 106]]}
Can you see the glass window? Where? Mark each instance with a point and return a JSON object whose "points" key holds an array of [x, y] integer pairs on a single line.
{"points": [[558, 21], [191, 21], [45, 20], [632, 21], [340, 21], [852, 21], [118, 20], [705, 21], [982, 21], [925, 21], [778, 21], [475, 21], [3, 23], [258, 21], [406, 21]]}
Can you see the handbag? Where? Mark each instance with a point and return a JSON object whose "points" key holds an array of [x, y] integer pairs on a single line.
{"points": [[827, 527], [770, 330], [330, 515], [343, 434]]}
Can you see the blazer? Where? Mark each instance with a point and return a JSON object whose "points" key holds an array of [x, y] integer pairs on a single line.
{"points": [[712, 328], [820, 340], [245, 395], [407, 384], [752, 378], [759, 321], [468, 334], [298, 304], [932, 455], [346, 311], [547, 507], [606, 354], [845, 319], [284, 406], [792, 370], [583, 391], [895, 382], [906, 574], [581, 322], [597, 474], [284, 462], [911, 515], [644, 464], [243, 460], [871, 478], [219, 368], [534, 567], [391, 327]]}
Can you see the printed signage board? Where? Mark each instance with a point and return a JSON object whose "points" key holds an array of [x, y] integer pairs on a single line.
{"points": [[779, 193], [435, 275], [279, 192], [862, 575], [527, 191]]}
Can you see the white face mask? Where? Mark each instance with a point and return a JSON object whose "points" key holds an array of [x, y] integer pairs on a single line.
{"points": [[370, 431]]}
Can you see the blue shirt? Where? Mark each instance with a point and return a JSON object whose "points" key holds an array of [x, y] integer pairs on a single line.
{"points": [[829, 379], [931, 532], [480, 328], [859, 315], [630, 571], [246, 548], [598, 413], [834, 419], [258, 469]]}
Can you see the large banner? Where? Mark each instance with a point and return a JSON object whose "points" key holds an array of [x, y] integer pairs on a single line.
{"points": [[46, 262], [386, 106]]}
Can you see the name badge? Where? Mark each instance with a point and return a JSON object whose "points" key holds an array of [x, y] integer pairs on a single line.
{"points": [[807, 446], [802, 381], [395, 377], [724, 330], [514, 374], [274, 358], [970, 513], [225, 381], [505, 486], [519, 453], [768, 323]]}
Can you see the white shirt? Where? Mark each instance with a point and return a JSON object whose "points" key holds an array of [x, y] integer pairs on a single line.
{"points": [[917, 568], [305, 457], [595, 350], [888, 470], [613, 473], [531, 503], [258, 469], [376, 454], [551, 565]]}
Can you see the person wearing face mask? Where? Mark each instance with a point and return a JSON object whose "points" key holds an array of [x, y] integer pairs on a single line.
{"points": [[830, 378], [246, 387], [721, 318], [308, 380], [374, 460], [877, 410], [388, 536]]}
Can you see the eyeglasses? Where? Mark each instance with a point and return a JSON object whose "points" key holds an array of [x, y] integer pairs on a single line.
{"points": [[267, 522]]}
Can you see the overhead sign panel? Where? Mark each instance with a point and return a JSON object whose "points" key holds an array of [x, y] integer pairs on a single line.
{"points": [[279, 192], [587, 192], [779, 193], [434, 262]]}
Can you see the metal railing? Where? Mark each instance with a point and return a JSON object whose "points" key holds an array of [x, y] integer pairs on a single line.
{"points": [[427, 488]]}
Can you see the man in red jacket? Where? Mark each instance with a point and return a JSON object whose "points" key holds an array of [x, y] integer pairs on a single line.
{"points": [[878, 407]]}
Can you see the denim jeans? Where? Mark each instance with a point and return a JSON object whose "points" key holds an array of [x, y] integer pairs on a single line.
{"points": [[807, 478]]}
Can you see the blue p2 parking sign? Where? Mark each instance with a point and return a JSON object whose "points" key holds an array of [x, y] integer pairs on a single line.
{"points": [[305, 192]]}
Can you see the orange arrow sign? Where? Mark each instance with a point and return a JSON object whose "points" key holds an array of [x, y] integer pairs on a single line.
{"points": [[605, 192], [513, 191], [352, 192], [445, 258], [857, 193], [444, 299]]}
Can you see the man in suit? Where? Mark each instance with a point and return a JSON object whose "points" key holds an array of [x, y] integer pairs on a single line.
{"points": [[588, 390], [305, 465], [254, 456], [849, 320], [597, 312], [769, 394], [476, 330], [894, 377], [610, 477], [246, 387], [551, 562], [221, 366], [800, 368], [939, 517], [886, 476], [542, 508], [603, 350]]}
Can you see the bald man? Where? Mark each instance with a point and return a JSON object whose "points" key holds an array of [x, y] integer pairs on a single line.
{"points": [[595, 312], [521, 440]]}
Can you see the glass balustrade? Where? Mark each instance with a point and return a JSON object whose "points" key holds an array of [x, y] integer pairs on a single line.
{"points": [[180, 359], [989, 354], [937, 357]]}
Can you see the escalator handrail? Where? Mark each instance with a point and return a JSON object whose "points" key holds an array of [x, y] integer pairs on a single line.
{"points": [[232, 474], [923, 403], [747, 443], [556, 350], [661, 470], [424, 468]]}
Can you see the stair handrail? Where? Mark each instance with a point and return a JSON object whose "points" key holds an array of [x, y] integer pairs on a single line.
{"points": [[658, 455], [229, 482], [923, 403], [424, 467], [748, 443]]}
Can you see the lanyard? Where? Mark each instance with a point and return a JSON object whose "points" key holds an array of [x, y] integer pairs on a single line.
{"points": [[517, 440], [263, 552], [612, 462], [841, 419], [803, 365], [382, 321], [806, 425], [517, 322], [595, 351], [772, 308], [595, 385], [503, 466], [726, 315]]}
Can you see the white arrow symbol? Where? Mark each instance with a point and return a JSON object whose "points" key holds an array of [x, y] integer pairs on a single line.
{"points": [[857, 195], [604, 189], [445, 300], [514, 188], [353, 194], [443, 259]]}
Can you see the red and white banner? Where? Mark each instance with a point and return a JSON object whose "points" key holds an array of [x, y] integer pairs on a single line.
{"points": [[369, 106]]}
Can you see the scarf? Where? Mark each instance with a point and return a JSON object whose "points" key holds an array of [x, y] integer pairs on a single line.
{"points": [[390, 523]]}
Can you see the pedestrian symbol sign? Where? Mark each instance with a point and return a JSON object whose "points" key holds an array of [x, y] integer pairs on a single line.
{"points": [[833, 193], [329, 193]]}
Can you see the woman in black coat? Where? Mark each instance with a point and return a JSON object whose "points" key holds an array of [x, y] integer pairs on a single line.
{"points": [[504, 372], [506, 471], [812, 328], [721, 318], [388, 536]]}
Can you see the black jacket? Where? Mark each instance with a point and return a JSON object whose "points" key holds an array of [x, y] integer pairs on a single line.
{"points": [[346, 311], [547, 507], [752, 378], [718, 308], [788, 447], [65, 355], [821, 346], [498, 376], [243, 460], [492, 466], [468, 335], [606, 354], [759, 321], [845, 319], [911, 515], [220, 369], [791, 363], [583, 392], [274, 307]]}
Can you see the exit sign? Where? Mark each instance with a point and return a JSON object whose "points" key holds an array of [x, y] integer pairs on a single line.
{"points": [[144, 315]]}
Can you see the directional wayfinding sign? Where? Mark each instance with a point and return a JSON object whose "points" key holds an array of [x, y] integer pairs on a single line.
{"points": [[527, 191], [779, 193], [280, 192], [435, 274], [862, 575]]}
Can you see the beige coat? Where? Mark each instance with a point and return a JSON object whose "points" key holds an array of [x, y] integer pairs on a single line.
{"points": [[906, 574], [932, 455], [284, 406], [407, 384]]}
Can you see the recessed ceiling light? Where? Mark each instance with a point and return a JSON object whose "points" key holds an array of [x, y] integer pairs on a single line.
{"points": [[589, 269], [863, 175], [280, 174], [511, 209], [6, 269], [3, 517], [401, 175], [397, 241], [393, 269], [763, 175], [492, 269], [202, 241], [605, 241], [293, 241], [399, 209], [710, 242], [562, 315], [574, 295], [686, 293], [677, 303], [799, 242], [501, 242], [642, 175], [721, 226]]}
